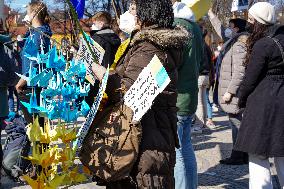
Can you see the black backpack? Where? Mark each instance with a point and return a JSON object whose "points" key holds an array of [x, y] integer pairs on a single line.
{"points": [[17, 146]]}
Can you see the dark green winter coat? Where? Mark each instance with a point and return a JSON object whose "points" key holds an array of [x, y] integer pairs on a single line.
{"points": [[188, 72]]}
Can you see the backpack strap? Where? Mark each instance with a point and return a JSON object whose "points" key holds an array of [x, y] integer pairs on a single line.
{"points": [[279, 46]]}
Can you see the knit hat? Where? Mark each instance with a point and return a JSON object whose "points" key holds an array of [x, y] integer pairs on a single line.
{"points": [[263, 12], [183, 11]]}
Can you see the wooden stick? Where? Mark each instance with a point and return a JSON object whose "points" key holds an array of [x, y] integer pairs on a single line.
{"points": [[115, 10]]}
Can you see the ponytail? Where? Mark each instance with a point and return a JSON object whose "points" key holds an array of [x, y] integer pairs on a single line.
{"points": [[40, 10]]}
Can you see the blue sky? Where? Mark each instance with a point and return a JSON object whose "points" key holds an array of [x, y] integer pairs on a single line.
{"points": [[18, 4]]}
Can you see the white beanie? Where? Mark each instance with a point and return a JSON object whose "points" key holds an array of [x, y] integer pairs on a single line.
{"points": [[183, 11], [263, 12]]}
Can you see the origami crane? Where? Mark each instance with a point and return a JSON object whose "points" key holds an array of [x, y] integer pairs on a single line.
{"points": [[84, 89], [44, 80], [54, 86], [75, 70], [31, 78], [69, 92], [60, 62], [32, 107], [85, 108], [69, 115], [30, 49], [52, 54]]}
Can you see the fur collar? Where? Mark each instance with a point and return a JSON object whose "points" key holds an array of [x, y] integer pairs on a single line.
{"points": [[165, 38]]}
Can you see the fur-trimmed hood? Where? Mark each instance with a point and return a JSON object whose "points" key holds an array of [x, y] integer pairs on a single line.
{"points": [[165, 38]]}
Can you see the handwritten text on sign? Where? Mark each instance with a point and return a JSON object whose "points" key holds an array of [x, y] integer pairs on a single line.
{"points": [[86, 56], [151, 81]]}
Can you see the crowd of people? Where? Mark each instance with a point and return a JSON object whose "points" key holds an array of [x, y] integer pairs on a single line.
{"points": [[245, 74]]}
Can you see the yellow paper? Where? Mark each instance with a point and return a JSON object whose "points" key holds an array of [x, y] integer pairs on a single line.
{"points": [[35, 184], [45, 159], [199, 7]]}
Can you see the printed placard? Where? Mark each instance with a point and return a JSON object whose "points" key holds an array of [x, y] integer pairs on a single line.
{"points": [[85, 55], [151, 81]]}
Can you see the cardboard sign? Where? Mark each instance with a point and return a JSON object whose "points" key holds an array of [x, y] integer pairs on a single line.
{"points": [[151, 81], [238, 5], [86, 57]]}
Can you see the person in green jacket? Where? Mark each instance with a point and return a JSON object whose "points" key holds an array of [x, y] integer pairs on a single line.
{"points": [[186, 166]]}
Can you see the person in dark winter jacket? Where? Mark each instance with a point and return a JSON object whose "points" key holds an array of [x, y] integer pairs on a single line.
{"points": [[262, 95], [105, 36], [154, 167], [37, 16], [102, 33]]}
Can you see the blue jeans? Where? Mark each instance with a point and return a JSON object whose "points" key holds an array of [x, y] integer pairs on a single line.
{"points": [[209, 105], [186, 165], [11, 100]]}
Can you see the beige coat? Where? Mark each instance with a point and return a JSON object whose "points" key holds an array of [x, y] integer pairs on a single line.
{"points": [[232, 73]]}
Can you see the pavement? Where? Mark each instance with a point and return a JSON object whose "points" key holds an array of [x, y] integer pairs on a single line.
{"points": [[210, 147]]}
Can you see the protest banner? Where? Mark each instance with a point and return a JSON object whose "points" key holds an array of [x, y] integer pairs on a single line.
{"points": [[92, 113], [85, 56], [151, 81]]}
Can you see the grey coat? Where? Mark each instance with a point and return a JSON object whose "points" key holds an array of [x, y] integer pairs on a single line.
{"points": [[232, 72]]}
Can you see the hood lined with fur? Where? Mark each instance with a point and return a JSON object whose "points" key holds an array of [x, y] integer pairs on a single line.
{"points": [[165, 38]]}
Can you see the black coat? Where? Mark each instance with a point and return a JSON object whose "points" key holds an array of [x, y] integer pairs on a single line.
{"points": [[262, 93], [109, 41]]}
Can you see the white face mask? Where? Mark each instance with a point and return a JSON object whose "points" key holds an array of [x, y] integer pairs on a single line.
{"points": [[95, 27], [127, 22], [27, 19], [228, 33], [219, 48]]}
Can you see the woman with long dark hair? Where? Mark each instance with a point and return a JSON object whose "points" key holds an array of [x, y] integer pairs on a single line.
{"points": [[262, 95]]}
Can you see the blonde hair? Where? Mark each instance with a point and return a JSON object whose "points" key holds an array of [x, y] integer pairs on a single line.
{"points": [[40, 10]]}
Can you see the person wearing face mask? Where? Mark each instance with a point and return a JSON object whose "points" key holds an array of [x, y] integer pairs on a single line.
{"points": [[102, 33], [154, 35], [230, 73], [224, 33], [38, 17], [262, 95]]}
